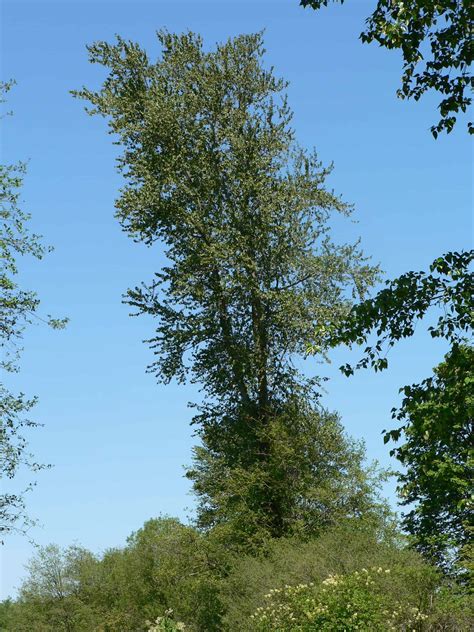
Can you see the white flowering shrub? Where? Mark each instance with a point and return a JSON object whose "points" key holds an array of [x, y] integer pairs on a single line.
{"points": [[357, 601], [166, 624]]}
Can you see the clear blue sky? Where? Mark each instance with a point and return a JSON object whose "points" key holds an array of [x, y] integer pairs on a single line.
{"points": [[117, 441]]}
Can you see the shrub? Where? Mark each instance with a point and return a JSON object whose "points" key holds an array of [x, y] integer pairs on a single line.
{"points": [[358, 601], [166, 624], [339, 551]]}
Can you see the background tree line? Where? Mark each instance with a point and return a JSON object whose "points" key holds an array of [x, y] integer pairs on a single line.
{"points": [[188, 578]]}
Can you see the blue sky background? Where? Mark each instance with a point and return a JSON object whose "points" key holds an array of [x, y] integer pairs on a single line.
{"points": [[117, 440]]}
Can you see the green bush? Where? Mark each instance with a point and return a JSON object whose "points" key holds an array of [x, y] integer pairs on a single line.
{"points": [[362, 600], [452, 609], [166, 624], [339, 551], [171, 577]]}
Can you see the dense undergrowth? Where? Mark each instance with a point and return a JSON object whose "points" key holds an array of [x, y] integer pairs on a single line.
{"points": [[353, 576]]}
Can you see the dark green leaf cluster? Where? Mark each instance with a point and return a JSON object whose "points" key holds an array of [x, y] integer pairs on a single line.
{"points": [[393, 313], [438, 457], [296, 476], [435, 39]]}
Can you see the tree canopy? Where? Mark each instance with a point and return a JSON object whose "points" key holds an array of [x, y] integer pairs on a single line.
{"points": [[435, 41], [170, 577], [213, 171]]}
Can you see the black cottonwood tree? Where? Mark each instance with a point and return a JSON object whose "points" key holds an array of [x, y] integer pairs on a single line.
{"points": [[214, 174]]}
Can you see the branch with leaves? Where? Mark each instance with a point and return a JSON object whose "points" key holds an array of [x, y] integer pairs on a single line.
{"points": [[393, 313], [435, 39], [438, 413], [18, 308]]}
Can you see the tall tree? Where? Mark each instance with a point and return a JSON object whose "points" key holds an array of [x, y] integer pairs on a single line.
{"points": [[435, 39], [17, 308], [214, 172]]}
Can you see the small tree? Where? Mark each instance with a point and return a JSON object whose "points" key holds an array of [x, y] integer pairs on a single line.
{"points": [[54, 595], [214, 172]]}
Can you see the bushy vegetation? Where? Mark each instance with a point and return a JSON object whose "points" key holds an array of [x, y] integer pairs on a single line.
{"points": [[356, 601], [172, 577]]}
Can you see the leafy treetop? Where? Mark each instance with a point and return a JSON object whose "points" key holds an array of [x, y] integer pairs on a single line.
{"points": [[213, 172]]}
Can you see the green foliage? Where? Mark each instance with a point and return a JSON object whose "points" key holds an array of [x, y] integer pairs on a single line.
{"points": [[166, 624], [170, 577], [52, 596], [438, 412], [182, 570], [369, 599], [7, 607], [165, 566], [359, 601], [435, 40], [393, 313], [437, 456], [313, 472], [213, 171], [342, 549], [18, 308], [452, 609]]}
